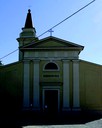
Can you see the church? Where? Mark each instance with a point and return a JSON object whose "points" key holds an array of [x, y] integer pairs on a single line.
{"points": [[50, 76]]}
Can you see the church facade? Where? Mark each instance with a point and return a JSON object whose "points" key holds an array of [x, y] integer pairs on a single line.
{"points": [[49, 76]]}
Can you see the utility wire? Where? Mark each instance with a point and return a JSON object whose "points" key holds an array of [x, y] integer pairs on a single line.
{"points": [[68, 17], [8, 54], [55, 25]]}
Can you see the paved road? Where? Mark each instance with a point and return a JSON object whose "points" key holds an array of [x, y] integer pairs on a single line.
{"points": [[30, 120], [93, 124], [59, 126]]}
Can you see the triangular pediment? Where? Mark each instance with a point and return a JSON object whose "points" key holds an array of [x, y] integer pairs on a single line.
{"points": [[52, 43]]}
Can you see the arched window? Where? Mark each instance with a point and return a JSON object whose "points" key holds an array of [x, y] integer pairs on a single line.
{"points": [[51, 66]]}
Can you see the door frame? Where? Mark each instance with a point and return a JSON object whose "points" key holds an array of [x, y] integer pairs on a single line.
{"points": [[45, 88]]}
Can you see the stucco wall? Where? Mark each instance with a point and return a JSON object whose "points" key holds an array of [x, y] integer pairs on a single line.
{"points": [[11, 86], [90, 85]]}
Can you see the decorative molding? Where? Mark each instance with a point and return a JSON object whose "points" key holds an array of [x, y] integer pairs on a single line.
{"points": [[51, 54], [51, 76], [50, 84]]}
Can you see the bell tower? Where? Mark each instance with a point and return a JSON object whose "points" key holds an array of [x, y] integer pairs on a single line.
{"points": [[28, 34]]}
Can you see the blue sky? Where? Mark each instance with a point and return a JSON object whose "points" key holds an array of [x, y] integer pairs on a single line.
{"points": [[84, 28]]}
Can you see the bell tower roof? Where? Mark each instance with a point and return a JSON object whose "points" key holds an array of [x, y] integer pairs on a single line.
{"points": [[28, 34], [28, 22]]}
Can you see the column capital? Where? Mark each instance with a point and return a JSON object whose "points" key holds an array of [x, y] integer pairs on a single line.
{"points": [[66, 61], [36, 60], [75, 61], [26, 61]]}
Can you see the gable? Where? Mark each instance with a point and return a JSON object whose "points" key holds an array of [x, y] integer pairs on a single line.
{"points": [[57, 42], [52, 43]]}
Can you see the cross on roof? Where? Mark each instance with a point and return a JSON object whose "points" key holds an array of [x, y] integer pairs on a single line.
{"points": [[51, 31]]}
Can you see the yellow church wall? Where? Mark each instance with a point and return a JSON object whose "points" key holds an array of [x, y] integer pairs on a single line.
{"points": [[90, 86], [11, 85]]}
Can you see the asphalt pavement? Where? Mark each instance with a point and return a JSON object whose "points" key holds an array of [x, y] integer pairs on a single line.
{"points": [[92, 124]]}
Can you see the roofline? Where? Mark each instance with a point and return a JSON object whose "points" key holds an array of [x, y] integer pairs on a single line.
{"points": [[10, 64], [41, 40], [62, 40]]}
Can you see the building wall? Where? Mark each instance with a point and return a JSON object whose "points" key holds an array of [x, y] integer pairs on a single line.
{"points": [[11, 86], [90, 86]]}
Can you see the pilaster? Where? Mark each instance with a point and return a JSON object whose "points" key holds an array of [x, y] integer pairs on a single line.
{"points": [[36, 88], [76, 101], [66, 90]]}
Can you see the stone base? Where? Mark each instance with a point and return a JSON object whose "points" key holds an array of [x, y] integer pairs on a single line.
{"points": [[25, 109], [66, 109], [31, 109], [76, 109], [36, 109]]}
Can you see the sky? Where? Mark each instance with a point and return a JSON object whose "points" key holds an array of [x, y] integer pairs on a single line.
{"points": [[84, 28]]}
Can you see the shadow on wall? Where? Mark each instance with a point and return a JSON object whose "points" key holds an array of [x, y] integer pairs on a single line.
{"points": [[11, 114]]}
